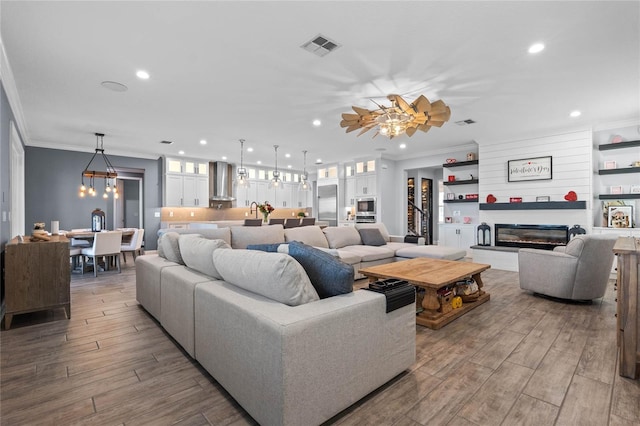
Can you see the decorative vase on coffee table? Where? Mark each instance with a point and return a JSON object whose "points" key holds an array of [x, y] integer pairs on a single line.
{"points": [[265, 217]]}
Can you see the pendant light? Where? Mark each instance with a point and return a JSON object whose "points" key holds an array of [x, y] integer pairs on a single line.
{"points": [[305, 185], [276, 182], [109, 175], [242, 177]]}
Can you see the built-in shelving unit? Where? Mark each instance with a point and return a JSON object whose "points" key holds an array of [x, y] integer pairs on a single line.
{"points": [[619, 170], [460, 164], [619, 145], [542, 205], [464, 200], [461, 182]]}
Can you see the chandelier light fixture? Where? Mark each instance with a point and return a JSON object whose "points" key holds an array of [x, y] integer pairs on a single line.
{"points": [[109, 175], [242, 177], [399, 118], [276, 182], [305, 185]]}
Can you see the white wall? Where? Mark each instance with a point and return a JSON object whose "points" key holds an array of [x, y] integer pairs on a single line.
{"points": [[571, 154]]}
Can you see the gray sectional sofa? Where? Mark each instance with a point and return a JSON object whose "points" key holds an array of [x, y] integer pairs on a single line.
{"points": [[256, 324]]}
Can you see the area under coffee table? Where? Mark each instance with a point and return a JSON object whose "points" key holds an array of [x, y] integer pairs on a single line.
{"points": [[432, 275]]}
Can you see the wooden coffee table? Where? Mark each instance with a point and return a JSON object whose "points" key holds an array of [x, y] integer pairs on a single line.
{"points": [[432, 275]]}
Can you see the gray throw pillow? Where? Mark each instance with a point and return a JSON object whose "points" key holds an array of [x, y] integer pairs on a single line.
{"points": [[328, 274], [371, 237], [276, 276], [171, 247], [197, 253]]}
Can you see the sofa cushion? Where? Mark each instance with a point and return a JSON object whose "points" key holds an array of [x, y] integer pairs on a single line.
{"points": [[210, 233], [328, 274], [276, 276], [342, 236], [197, 253], [434, 252], [171, 247], [371, 237], [378, 225], [311, 235], [242, 236], [369, 253]]}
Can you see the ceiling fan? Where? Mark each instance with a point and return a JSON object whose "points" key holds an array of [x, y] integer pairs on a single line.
{"points": [[401, 117]]}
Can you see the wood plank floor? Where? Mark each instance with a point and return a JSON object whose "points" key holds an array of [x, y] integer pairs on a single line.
{"points": [[516, 360]]}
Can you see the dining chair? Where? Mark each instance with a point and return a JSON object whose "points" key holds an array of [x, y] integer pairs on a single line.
{"points": [[75, 253], [107, 245], [134, 246], [276, 222], [308, 221], [292, 223], [81, 243], [253, 222]]}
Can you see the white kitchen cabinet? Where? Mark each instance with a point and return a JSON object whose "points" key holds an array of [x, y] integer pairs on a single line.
{"points": [[350, 192], [365, 184], [459, 235], [186, 191]]}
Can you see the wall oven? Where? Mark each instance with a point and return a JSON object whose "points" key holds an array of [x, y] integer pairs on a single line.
{"points": [[366, 210]]}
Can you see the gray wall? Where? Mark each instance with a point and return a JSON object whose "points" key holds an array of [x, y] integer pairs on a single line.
{"points": [[52, 182]]}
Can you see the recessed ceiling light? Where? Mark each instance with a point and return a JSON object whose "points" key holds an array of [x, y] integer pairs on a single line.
{"points": [[224, 157], [575, 114], [250, 149], [536, 48], [319, 161], [203, 142], [403, 145], [317, 122], [288, 155], [142, 75], [288, 166], [259, 162], [114, 86], [181, 152]]}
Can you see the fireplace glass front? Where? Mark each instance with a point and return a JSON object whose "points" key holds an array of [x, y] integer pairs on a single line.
{"points": [[545, 237]]}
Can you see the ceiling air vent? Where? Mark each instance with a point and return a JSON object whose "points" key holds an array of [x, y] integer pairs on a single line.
{"points": [[320, 45], [166, 142], [465, 122]]}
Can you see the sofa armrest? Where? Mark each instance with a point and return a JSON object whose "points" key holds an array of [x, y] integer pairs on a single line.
{"points": [[400, 239], [302, 364]]}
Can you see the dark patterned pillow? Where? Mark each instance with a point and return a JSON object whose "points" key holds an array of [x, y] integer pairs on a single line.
{"points": [[328, 274]]}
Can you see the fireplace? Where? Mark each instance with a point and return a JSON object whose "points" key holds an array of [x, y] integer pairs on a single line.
{"points": [[531, 236]]}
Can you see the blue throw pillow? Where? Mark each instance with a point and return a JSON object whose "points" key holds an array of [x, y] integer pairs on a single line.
{"points": [[328, 274], [271, 248]]}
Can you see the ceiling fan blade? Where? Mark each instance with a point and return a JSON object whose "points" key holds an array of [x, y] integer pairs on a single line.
{"points": [[439, 117], [350, 117], [422, 104], [420, 119], [361, 111], [424, 127], [438, 106], [400, 103], [410, 131], [353, 127], [365, 130]]}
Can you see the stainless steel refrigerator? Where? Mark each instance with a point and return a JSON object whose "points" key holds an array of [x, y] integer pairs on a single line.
{"points": [[328, 204]]}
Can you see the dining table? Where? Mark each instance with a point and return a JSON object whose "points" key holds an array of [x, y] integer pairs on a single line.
{"points": [[89, 235]]}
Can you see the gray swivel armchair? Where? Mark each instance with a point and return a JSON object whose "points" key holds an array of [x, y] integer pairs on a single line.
{"points": [[579, 271]]}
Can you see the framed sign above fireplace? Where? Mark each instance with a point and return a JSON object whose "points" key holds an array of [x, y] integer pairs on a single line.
{"points": [[538, 168]]}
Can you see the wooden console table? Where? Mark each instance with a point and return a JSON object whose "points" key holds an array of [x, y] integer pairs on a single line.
{"points": [[433, 274], [627, 250], [37, 276]]}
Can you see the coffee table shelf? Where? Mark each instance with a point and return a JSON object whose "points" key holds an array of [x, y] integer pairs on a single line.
{"points": [[431, 275]]}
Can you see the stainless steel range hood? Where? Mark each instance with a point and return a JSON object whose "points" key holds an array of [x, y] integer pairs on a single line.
{"points": [[220, 174]]}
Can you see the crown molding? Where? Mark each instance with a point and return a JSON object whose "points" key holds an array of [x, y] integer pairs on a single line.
{"points": [[109, 151], [9, 84]]}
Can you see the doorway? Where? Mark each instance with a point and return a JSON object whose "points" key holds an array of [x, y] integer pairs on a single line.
{"points": [[128, 207]]}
